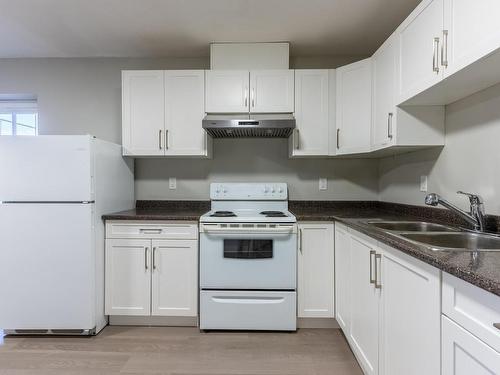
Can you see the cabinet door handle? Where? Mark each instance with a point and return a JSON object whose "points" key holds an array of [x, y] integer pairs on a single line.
{"points": [[146, 249], [297, 139], [159, 139], [253, 96], [338, 139], [435, 57], [389, 125], [372, 279], [300, 240], [166, 139], [496, 325], [444, 49], [246, 96], [377, 283], [154, 258]]}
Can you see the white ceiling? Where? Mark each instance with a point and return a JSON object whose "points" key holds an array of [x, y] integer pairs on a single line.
{"points": [[157, 28]]}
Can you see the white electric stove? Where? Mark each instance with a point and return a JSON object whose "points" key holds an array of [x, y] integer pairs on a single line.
{"points": [[248, 258]]}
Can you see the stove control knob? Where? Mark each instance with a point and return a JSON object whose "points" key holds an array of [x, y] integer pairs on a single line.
{"points": [[266, 189], [273, 189], [280, 190]]}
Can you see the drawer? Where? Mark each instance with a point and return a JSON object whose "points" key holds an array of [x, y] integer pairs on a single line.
{"points": [[473, 308], [249, 310], [148, 229]]}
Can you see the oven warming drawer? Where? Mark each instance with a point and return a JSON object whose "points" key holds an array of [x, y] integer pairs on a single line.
{"points": [[248, 310]]}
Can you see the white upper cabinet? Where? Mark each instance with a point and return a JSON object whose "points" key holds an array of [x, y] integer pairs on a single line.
{"points": [[227, 91], [184, 111], [311, 136], [315, 289], [420, 38], [384, 88], [271, 91], [471, 31], [143, 112], [241, 91], [162, 113], [354, 107]]}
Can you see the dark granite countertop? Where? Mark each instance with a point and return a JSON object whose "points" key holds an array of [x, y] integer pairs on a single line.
{"points": [[163, 210], [483, 272]]}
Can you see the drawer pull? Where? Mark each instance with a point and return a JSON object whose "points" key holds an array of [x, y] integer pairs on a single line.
{"points": [[150, 231], [496, 325]]}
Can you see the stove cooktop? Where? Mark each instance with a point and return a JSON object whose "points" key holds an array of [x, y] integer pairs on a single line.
{"points": [[248, 215]]}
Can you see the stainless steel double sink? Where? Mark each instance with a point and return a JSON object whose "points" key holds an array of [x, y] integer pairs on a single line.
{"points": [[438, 237]]}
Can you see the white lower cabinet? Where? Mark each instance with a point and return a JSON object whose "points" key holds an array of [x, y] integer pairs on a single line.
{"points": [[128, 278], [465, 354], [151, 275], [315, 287], [388, 305]]}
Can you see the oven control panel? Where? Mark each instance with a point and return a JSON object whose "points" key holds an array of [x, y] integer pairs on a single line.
{"points": [[248, 191]]}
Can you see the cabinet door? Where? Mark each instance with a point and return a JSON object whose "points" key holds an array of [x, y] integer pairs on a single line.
{"points": [[143, 112], [473, 32], [410, 316], [311, 135], [227, 91], [354, 103], [342, 277], [364, 324], [315, 270], [175, 278], [419, 48], [271, 91], [465, 354], [184, 111], [128, 277], [384, 88]]}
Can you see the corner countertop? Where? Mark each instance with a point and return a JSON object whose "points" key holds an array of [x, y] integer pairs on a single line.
{"points": [[483, 272]]}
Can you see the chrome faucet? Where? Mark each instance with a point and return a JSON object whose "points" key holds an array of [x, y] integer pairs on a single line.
{"points": [[476, 215]]}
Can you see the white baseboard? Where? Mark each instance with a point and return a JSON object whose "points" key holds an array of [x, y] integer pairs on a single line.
{"points": [[172, 321], [317, 323]]}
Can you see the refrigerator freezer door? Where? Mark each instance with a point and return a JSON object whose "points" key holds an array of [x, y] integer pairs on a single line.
{"points": [[47, 260], [46, 168]]}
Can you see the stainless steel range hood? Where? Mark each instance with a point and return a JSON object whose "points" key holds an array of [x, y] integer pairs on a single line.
{"points": [[244, 125]]}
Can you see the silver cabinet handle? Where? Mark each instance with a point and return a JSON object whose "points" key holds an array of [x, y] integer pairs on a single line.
{"points": [[253, 96], [246, 96], [297, 139], [166, 139], [150, 231], [154, 258], [444, 49], [300, 240], [338, 139], [146, 258], [372, 279], [435, 62], [389, 125], [159, 139], [496, 325], [377, 283]]}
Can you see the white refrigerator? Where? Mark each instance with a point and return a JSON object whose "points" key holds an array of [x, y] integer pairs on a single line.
{"points": [[53, 192]]}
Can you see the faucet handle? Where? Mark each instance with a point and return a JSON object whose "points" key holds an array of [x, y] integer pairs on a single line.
{"points": [[473, 198]]}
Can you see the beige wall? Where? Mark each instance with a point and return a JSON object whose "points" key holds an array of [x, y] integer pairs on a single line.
{"points": [[470, 161], [78, 96]]}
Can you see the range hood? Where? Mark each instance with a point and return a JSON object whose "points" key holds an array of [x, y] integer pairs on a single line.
{"points": [[245, 125]]}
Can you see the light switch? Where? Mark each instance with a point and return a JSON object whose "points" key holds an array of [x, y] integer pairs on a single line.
{"points": [[323, 183], [172, 183], [423, 183]]}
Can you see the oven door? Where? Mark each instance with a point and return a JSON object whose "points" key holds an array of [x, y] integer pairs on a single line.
{"points": [[248, 256]]}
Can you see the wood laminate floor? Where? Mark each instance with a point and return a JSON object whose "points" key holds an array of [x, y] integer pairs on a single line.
{"points": [[180, 351]]}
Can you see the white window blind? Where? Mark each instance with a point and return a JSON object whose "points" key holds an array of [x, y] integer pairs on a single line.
{"points": [[18, 117]]}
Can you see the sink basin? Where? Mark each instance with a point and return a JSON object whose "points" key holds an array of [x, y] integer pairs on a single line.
{"points": [[455, 241], [411, 226]]}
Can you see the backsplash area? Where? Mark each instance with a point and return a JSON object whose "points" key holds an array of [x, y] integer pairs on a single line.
{"points": [[257, 160]]}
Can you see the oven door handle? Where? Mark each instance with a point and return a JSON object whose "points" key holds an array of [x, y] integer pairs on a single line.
{"points": [[248, 300]]}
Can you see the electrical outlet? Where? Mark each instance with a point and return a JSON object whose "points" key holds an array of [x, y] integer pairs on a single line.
{"points": [[323, 183], [423, 183], [172, 183]]}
